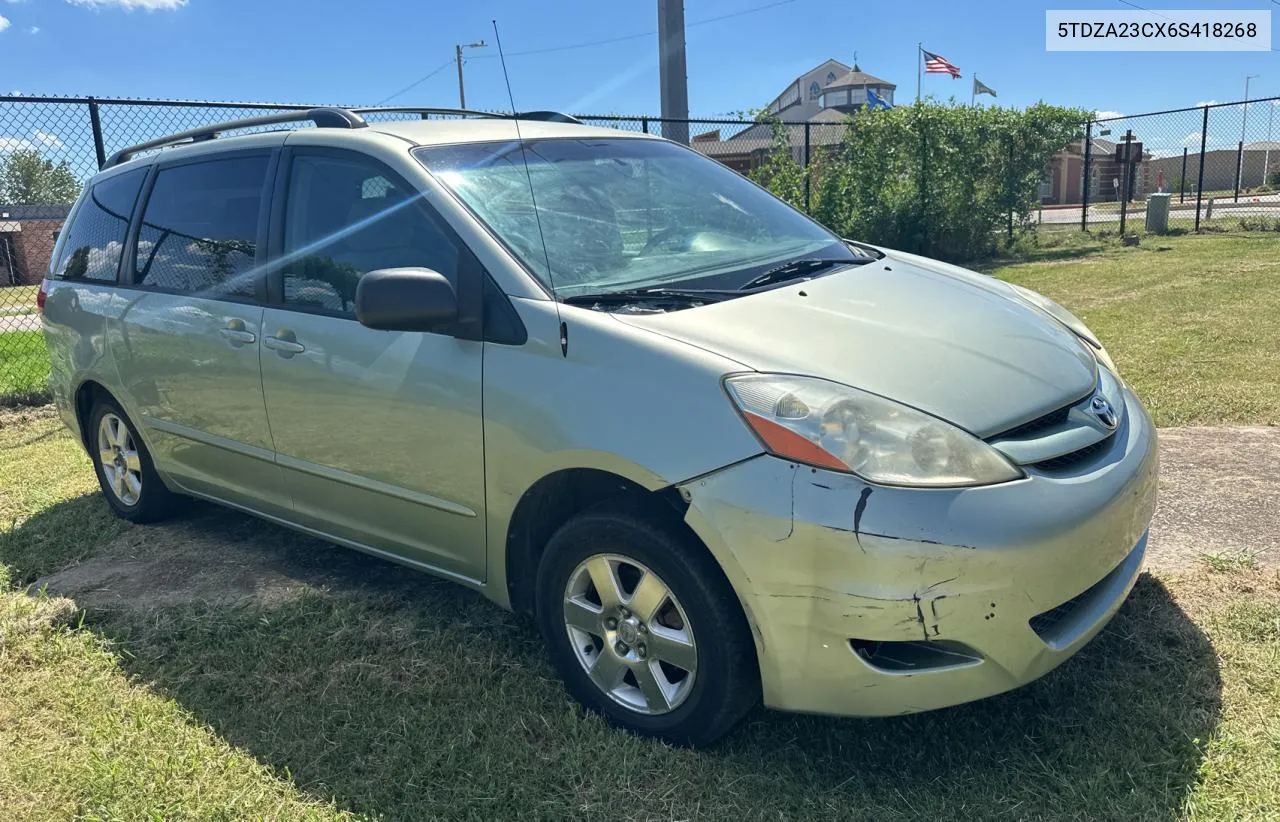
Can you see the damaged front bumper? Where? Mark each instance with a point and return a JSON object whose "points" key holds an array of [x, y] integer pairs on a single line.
{"points": [[868, 600]]}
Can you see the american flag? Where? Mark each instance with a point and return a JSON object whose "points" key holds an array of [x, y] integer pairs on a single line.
{"points": [[937, 64]]}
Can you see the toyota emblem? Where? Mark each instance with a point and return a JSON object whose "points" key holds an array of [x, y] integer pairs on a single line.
{"points": [[1104, 412]]}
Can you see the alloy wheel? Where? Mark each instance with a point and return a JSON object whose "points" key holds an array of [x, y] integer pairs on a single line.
{"points": [[118, 455], [630, 634]]}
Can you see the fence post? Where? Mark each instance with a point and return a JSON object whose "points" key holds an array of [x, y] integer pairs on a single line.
{"points": [[1087, 178], [806, 168], [1204, 138], [644, 124], [95, 122], [1182, 180], [1128, 171], [1239, 167]]}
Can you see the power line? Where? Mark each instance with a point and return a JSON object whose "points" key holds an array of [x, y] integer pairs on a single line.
{"points": [[592, 43], [416, 83], [1165, 16], [639, 35]]}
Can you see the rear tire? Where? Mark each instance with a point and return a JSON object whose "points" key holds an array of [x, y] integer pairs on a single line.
{"points": [[668, 652], [125, 471]]}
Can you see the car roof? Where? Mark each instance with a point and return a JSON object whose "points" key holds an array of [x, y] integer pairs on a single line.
{"points": [[415, 131], [483, 129]]}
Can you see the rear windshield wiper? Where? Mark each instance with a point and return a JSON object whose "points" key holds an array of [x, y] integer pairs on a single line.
{"points": [[632, 295], [794, 270]]}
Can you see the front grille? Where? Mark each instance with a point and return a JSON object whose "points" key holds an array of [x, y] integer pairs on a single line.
{"points": [[1036, 427], [1051, 624], [1074, 458]]}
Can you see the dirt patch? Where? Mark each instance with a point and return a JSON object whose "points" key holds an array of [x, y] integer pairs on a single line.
{"points": [[1219, 495], [217, 556]]}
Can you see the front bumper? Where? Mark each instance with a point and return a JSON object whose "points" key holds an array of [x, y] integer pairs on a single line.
{"points": [[869, 601]]}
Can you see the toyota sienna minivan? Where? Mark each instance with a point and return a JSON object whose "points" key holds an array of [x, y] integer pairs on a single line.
{"points": [[721, 455]]}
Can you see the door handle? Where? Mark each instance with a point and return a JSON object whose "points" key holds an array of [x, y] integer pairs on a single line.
{"points": [[284, 343], [237, 334]]}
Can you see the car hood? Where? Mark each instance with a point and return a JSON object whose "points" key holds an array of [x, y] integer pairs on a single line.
{"points": [[954, 343]]}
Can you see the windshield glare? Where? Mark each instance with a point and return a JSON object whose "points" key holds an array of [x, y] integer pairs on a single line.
{"points": [[626, 213]]}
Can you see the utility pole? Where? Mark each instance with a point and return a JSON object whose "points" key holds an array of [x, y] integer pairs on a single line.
{"points": [[457, 53], [672, 71]]}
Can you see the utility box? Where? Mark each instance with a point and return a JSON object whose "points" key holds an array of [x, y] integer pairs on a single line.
{"points": [[1158, 213]]}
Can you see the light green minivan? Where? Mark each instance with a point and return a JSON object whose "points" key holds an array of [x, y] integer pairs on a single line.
{"points": [[721, 454]]}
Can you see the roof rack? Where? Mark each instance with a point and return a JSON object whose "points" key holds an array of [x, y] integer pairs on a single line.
{"points": [[322, 118], [550, 116]]}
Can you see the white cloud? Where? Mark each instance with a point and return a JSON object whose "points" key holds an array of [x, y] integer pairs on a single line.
{"points": [[12, 144], [1106, 115], [48, 140], [33, 30], [130, 5], [4, 23], [1204, 103]]}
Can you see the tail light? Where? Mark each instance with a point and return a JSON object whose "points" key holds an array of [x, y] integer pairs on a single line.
{"points": [[42, 295]]}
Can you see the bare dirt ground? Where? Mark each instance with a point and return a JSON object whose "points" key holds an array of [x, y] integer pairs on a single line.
{"points": [[1220, 496]]}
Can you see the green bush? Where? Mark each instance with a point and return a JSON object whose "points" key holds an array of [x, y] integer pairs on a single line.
{"points": [[929, 178]]}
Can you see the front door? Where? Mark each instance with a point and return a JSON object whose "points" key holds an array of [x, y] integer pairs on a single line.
{"points": [[378, 433], [190, 336]]}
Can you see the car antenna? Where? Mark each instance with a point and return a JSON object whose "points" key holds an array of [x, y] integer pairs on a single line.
{"points": [[564, 329]]}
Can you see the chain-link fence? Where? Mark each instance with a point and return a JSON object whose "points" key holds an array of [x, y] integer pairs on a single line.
{"points": [[1218, 164]]}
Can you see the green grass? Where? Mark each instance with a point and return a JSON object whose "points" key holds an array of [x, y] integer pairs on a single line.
{"points": [[383, 693], [24, 366], [1191, 321]]}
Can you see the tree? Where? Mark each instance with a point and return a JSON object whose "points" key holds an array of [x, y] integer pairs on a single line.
{"points": [[941, 180], [30, 179]]}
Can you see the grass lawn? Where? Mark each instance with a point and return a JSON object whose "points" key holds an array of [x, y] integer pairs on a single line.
{"points": [[24, 365], [1192, 321], [372, 691]]}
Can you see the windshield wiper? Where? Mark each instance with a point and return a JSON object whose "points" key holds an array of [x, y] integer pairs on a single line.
{"points": [[632, 295], [795, 270]]}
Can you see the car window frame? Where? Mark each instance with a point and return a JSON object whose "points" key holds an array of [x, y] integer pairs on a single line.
{"points": [[470, 274], [60, 244], [126, 276]]}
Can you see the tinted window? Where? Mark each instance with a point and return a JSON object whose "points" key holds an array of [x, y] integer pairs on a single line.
{"points": [[200, 227], [347, 216], [95, 237]]}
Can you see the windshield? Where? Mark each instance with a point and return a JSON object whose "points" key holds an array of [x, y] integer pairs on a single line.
{"points": [[620, 213]]}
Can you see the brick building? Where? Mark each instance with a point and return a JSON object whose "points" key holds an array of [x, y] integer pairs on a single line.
{"points": [[27, 235]]}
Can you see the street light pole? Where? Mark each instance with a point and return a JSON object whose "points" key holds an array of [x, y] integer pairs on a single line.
{"points": [[1245, 121], [457, 53]]}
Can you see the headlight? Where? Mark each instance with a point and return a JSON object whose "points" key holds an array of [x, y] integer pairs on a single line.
{"points": [[1071, 321], [823, 423]]}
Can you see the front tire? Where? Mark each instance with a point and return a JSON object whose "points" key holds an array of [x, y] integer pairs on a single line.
{"points": [[125, 471], [643, 627]]}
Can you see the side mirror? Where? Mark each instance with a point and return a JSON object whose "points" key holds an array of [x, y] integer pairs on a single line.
{"points": [[406, 299]]}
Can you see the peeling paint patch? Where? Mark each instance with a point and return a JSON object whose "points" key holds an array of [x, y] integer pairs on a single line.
{"points": [[857, 515]]}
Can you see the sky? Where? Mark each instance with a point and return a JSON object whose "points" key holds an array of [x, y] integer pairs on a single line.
{"points": [[331, 51]]}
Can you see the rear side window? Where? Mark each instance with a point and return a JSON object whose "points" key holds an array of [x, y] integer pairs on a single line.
{"points": [[96, 235], [199, 230], [346, 216]]}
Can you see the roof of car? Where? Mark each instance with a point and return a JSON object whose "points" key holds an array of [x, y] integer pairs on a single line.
{"points": [[482, 129]]}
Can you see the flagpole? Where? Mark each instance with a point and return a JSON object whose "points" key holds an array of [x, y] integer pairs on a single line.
{"points": [[919, 67]]}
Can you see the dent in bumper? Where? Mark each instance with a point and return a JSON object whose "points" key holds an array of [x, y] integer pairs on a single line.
{"points": [[820, 558]]}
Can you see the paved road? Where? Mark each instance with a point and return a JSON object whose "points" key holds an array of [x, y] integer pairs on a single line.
{"points": [[1219, 494], [1268, 204]]}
